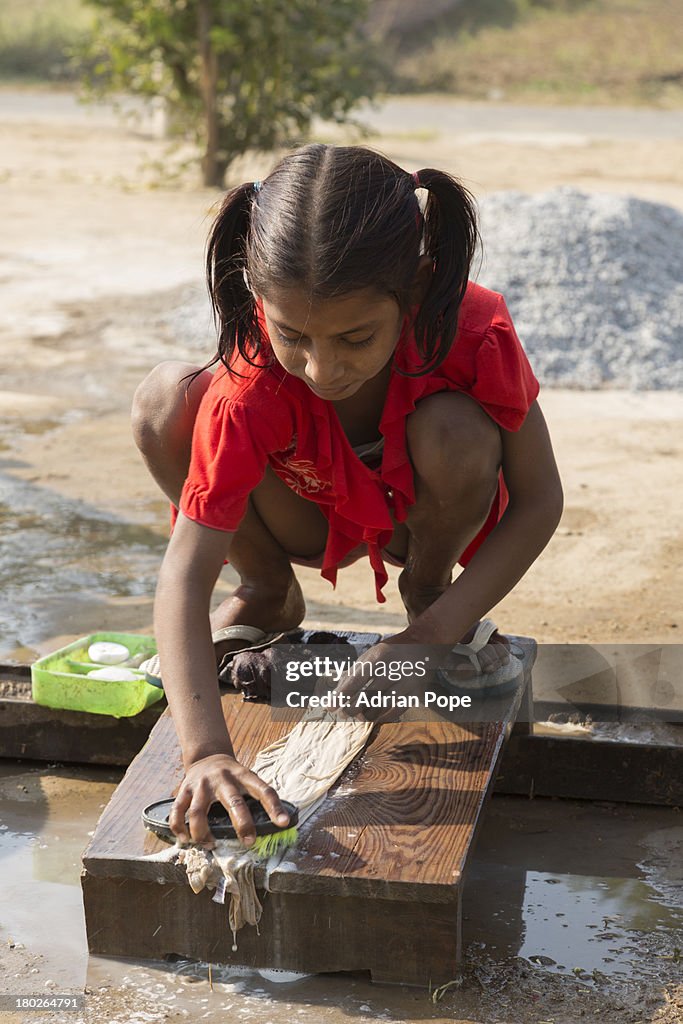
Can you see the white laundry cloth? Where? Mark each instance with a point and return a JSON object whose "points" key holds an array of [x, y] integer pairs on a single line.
{"points": [[301, 767]]}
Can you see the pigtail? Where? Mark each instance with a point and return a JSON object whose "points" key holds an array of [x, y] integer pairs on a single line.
{"points": [[450, 238], [234, 305]]}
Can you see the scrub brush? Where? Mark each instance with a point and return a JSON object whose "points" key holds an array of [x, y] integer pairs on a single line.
{"points": [[270, 838]]}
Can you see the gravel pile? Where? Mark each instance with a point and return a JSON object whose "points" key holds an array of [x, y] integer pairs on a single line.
{"points": [[594, 284], [189, 325]]}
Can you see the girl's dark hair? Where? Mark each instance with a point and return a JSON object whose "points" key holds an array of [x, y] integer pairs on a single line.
{"points": [[334, 220]]}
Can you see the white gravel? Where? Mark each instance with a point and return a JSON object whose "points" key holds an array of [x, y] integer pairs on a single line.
{"points": [[594, 284]]}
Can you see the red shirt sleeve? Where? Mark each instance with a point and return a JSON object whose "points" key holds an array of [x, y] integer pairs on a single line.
{"points": [[504, 383], [231, 442]]}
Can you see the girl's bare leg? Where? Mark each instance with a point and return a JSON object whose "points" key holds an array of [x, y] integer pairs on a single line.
{"points": [[455, 450], [269, 595]]}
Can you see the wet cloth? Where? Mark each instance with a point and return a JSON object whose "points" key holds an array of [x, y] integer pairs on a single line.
{"points": [[301, 767], [267, 417]]}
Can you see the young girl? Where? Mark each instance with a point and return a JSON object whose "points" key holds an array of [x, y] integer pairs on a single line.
{"points": [[369, 401]]}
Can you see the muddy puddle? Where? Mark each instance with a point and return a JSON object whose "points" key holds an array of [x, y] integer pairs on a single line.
{"points": [[562, 896], [63, 563]]}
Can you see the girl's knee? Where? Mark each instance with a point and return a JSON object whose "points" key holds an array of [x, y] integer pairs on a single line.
{"points": [[164, 403], [454, 445]]}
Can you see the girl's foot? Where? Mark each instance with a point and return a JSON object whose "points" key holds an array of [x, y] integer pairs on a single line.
{"points": [[268, 607], [490, 658], [492, 670], [418, 597]]}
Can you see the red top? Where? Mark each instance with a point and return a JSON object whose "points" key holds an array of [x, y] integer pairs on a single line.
{"points": [[270, 417]]}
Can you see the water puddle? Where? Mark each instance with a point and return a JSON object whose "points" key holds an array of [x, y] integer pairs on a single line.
{"points": [[539, 894], [592, 932], [45, 817], [61, 561], [592, 890]]}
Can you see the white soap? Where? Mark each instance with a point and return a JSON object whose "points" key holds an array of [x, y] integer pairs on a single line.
{"points": [[113, 674], [106, 652]]}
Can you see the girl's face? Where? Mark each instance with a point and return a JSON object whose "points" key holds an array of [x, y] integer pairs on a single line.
{"points": [[333, 345]]}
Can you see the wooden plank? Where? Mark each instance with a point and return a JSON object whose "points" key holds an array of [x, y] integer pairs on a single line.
{"points": [[402, 820], [15, 671], [592, 770], [524, 723], [29, 731], [406, 943], [375, 882], [417, 791], [402, 826], [606, 682], [547, 709]]}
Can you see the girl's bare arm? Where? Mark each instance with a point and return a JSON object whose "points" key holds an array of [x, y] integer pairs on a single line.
{"points": [[529, 521], [188, 574], [193, 560]]}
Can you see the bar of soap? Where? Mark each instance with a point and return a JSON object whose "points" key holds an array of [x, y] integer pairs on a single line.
{"points": [[113, 674], [106, 652]]}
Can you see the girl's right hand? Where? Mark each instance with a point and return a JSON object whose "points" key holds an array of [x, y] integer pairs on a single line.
{"points": [[220, 778]]}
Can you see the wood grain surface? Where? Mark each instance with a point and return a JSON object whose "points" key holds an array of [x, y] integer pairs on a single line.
{"points": [[398, 825]]}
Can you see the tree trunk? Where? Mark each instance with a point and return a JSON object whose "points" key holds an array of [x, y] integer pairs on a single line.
{"points": [[212, 170]]}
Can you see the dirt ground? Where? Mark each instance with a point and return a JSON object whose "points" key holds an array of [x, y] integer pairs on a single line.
{"points": [[98, 259], [97, 265]]}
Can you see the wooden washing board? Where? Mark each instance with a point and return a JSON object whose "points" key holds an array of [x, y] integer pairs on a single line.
{"points": [[374, 884]]}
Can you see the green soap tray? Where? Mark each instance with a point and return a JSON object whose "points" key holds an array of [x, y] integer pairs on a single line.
{"points": [[58, 681]]}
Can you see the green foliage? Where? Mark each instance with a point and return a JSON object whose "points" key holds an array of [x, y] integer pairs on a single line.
{"points": [[35, 37], [279, 63]]}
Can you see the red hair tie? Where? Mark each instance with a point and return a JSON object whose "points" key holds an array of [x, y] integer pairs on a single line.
{"points": [[416, 179]]}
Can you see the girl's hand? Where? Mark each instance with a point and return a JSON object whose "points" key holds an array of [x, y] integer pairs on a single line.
{"points": [[395, 666], [220, 778]]}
